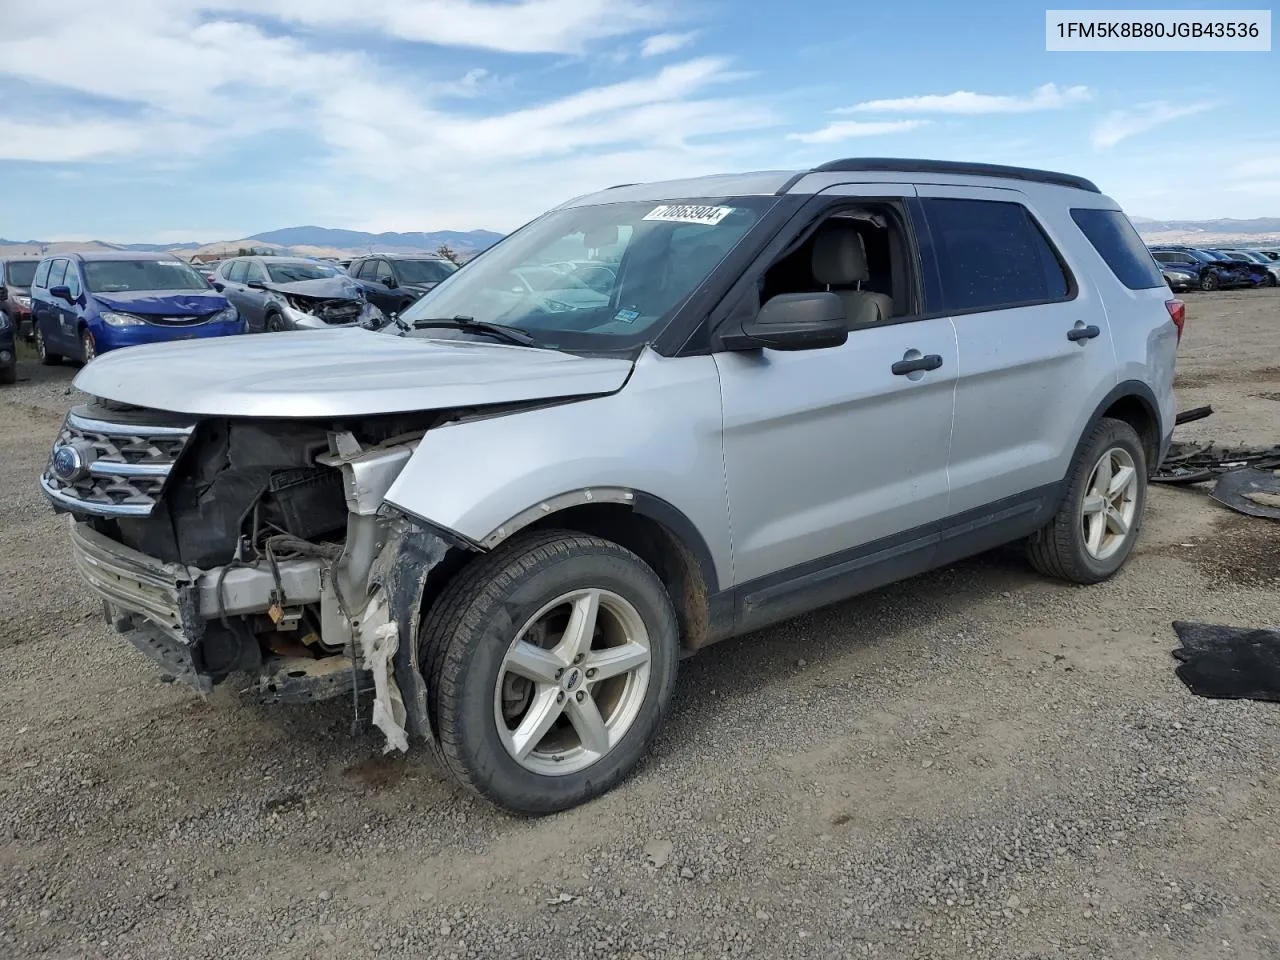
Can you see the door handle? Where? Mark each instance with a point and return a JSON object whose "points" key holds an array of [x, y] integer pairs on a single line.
{"points": [[1076, 334], [930, 361]]}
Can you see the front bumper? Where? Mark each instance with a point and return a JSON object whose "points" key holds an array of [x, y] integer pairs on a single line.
{"points": [[369, 316], [107, 337], [165, 610]]}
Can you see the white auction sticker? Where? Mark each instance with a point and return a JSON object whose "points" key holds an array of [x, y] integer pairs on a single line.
{"points": [[689, 213]]}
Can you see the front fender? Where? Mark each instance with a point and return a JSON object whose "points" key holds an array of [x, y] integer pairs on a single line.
{"points": [[660, 434]]}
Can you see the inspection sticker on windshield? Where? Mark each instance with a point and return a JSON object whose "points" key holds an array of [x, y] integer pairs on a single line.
{"points": [[689, 213], [627, 316]]}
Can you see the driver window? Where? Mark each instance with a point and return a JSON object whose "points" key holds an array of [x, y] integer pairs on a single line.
{"points": [[255, 271], [383, 273], [859, 254], [73, 280]]}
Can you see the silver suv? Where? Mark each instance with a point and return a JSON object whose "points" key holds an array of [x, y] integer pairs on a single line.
{"points": [[501, 521]]}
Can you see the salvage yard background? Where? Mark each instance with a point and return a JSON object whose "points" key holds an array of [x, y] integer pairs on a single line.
{"points": [[974, 763]]}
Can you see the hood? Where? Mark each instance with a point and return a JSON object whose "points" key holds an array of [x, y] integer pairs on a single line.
{"points": [[338, 373], [169, 303], [326, 288]]}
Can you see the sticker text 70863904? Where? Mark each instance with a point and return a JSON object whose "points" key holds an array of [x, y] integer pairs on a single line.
{"points": [[689, 213]]}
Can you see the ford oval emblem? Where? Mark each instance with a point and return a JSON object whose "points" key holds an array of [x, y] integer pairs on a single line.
{"points": [[69, 463]]}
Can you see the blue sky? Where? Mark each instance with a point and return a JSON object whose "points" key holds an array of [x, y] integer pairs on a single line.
{"points": [[159, 120]]}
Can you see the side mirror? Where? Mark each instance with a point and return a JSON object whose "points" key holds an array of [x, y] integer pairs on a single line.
{"points": [[61, 291], [793, 321], [390, 283], [256, 285], [4, 292]]}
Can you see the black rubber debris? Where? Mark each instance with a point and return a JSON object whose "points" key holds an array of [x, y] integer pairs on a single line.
{"points": [[1229, 663], [1252, 491]]}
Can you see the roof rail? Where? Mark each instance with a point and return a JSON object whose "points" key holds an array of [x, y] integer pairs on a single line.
{"points": [[898, 165]]}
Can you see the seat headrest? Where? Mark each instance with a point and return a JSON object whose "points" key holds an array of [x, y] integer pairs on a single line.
{"points": [[838, 257]]}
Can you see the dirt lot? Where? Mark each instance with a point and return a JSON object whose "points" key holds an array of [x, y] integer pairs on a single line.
{"points": [[975, 763]]}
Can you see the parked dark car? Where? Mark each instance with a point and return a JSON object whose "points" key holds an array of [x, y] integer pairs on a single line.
{"points": [[293, 293], [1212, 272], [84, 304], [15, 293], [8, 350], [1180, 277], [395, 282], [1258, 272]]}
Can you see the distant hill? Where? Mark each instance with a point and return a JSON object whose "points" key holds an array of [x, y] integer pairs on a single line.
{"points": [[307, 241], [1258, 225], [470, 241]]}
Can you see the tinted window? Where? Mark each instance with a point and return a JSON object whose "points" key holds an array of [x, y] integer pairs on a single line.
{"points": [[42, 274], [72, 280], [114, 276], [297, 272], [991, 254], [383, 273], [425, 271], [57, 272], [21, 272], [1113, 236]]}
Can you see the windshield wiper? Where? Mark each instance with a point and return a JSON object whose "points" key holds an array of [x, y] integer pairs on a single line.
{"points": [[500, 330]]}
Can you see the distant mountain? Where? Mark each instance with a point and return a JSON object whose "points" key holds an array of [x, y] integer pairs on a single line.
{"points": [[471, 241], [1257, 225]]}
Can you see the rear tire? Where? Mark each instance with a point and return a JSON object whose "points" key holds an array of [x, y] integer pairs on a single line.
{"points": [[47, 357], [521, 721], [1083, 543]]}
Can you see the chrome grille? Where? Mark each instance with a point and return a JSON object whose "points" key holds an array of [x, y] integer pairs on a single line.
{"points": [[121, 468]]}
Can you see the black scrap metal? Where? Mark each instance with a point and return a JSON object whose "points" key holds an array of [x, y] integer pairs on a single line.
{"points": [[1188, 463], [1250, 491]]}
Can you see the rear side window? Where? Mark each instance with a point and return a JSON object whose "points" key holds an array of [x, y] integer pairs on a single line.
{"points": [[992, 254], [42, 274], [1113, 236]]}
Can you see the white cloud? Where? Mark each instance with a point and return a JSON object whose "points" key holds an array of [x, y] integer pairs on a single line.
{"points": [[515, 26], [1047, 97], [191, 85], [849, 129], [1122, 124], [661, 43]]}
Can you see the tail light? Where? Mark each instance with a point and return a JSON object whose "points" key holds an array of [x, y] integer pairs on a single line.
{"points": [[1178, 314]]}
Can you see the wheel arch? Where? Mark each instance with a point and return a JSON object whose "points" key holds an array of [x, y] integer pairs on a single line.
{"points": [[1133, 402], [649, 526]]}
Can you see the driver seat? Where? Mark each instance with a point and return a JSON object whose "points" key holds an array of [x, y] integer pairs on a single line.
{"points": [[839, 261]]}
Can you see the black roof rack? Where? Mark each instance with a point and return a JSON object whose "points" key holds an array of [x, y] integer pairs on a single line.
{"points": [[896, 165]]}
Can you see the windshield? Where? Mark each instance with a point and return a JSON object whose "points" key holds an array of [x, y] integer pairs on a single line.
{"points": [[424, 271], [604, 277], [114, 276], [297, 272], [21, 271]]}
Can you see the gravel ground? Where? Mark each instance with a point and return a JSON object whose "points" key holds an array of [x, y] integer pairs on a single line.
{"points": [[975, 763]]}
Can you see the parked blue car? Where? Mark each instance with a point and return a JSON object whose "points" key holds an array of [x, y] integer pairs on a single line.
{"points": [[84, 304]]}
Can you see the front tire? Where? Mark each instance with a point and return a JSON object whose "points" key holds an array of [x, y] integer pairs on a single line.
{"points": [[1098, 521], [47, 357], [550, 665], [1209, 282], [274, 324], [88, 347]]}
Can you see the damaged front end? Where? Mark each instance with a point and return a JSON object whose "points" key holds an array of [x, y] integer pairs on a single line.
{"points": [[256, 548], [304, 312]]}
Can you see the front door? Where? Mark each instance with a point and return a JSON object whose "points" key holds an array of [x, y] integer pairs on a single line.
{"points": [[836, 458]]}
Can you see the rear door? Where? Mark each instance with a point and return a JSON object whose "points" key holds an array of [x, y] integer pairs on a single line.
{"points": [[1034, 344]]}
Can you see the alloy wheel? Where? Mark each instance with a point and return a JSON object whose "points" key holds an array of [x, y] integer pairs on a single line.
{"points": [[572, 682], [1110, 504], [90, 346], [41, 351]]}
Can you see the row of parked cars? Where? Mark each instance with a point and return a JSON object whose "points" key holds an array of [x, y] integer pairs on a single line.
{"points": [[1217, 268], [78, 305]]}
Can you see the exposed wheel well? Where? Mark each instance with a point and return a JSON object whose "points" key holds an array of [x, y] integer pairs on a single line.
{"points": [[650, 540], [1136, 412]]}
